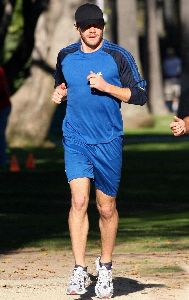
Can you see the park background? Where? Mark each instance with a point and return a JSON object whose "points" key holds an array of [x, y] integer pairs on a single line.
{"points": [[153, 196]]}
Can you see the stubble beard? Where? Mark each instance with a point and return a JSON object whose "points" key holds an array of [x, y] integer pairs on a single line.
{"points": [[92, 44]]}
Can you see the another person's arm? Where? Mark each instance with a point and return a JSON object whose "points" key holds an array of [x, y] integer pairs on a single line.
{"points": [[180, 126], [5, 93], [186, 120]]}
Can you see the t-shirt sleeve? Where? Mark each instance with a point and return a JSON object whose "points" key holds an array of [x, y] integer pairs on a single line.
{"points": [[183, 110], [58, 75], [130, 77]]}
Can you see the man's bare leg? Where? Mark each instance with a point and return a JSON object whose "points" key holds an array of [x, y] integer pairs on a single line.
{"points": [[78, 218], [108, 224]]}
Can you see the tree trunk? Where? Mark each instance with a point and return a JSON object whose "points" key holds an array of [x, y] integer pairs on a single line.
{"points": [[133, 116], [156, 98], [183, 110], [32, 109], [171, 21], [31, 10]]}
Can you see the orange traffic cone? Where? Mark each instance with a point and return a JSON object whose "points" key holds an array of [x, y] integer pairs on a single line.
{"points": [[14, 165], [30, 162]]}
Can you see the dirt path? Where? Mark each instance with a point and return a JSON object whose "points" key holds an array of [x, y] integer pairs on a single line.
{"points": [[36, 274]]}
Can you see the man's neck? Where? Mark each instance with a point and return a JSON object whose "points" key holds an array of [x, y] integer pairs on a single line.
{"points": [[88, 49]]}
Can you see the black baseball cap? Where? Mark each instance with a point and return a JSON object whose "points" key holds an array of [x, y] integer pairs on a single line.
{"points": [[88, 14]]}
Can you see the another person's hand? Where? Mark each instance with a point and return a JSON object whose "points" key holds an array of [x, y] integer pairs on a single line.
{"points": [[97, 81], [59, 94], [178, 126]]}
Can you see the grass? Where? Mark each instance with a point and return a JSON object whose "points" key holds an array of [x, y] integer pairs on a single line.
{"points": [[171, 271], [152, 201], [161, 127], [168, 269]]}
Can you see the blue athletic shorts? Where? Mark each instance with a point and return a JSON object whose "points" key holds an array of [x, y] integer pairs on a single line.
{"points": [[101, 162]]}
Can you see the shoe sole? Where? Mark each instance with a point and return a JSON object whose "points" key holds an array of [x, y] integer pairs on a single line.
{"points": [[107, 297], [75, 293], [104, 297]]}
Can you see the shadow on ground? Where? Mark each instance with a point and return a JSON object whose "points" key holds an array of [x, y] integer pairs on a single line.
{"points": [[122, 287]]}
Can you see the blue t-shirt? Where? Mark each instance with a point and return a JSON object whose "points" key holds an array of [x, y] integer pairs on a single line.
{"points": [[93, 116], [172, 67]]}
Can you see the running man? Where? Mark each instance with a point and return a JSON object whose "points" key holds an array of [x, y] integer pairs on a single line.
{"points": [[96, 76]]}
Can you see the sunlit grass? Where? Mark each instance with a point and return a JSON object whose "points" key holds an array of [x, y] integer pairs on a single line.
{"points": [[161, 126], [175, 146], [152, 200], [134, 234], [163, 269]]}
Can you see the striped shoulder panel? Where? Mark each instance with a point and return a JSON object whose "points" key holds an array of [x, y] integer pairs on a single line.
{"points": [[58, 75], [69, 49], [119, 53]]}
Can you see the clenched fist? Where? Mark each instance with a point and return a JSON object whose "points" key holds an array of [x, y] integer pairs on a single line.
{"points": [[97, 81], [178, 126], [60, 92]]}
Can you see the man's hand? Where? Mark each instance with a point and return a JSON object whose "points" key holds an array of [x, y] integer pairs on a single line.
{"points": [[97, 82], [59, 93], [178, 126]]}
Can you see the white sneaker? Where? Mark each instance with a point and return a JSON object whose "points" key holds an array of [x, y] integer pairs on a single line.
{"points": [[97, 264], [79, 281], [104, 286]]}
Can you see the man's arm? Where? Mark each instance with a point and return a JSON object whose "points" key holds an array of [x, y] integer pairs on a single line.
{"points": [[60, 91], [121, 93], [186, 120], [179, 126]]}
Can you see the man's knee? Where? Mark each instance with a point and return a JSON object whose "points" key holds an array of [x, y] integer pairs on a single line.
{"points": [[79, 203], [80, 189], [107, 211]]}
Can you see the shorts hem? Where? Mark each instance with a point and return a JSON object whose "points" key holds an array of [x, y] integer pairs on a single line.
{"points": [[79, 176], [105, 191]]}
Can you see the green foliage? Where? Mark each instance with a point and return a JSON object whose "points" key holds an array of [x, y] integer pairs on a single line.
{"points": [[15, 31]]}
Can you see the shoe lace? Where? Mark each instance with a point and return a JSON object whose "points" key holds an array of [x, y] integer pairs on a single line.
{"points": [[105, 276], [78, 277]]}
